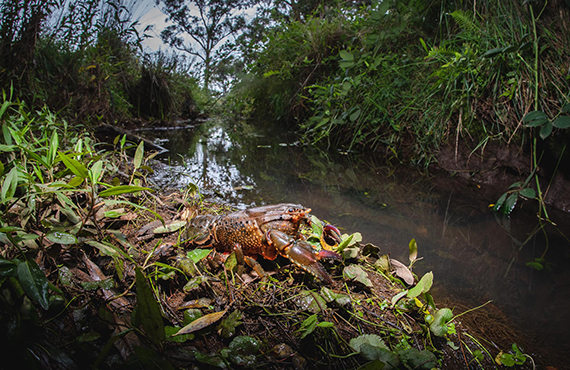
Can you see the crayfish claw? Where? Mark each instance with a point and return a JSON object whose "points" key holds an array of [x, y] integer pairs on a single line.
{"points": [[331, 235], [303, 255]]}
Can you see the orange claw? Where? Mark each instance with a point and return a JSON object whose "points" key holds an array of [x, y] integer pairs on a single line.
{"points": [[301, 253]]}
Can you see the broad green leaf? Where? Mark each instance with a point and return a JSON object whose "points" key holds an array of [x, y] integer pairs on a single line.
{"points": [[355, 114], [139, 155], [122, 189], [422, 286], [10, 184], [510, 204], [3, 109], [535, 118], [566, 108], [96, 171], [371, 339], [500, 202], [242, 351], [414, 359], [104, 248], [7, 268], [531, 116], [77, 168], [310, 301], [171, 330], [545, 130], [357, 273], [34, 282], [148, 310], [535, 265], [170, 227], [346, 55], [528, 193], [1, 168], [198, 254], [439, 324], [61, 237], [561, 122], [227, 327]]}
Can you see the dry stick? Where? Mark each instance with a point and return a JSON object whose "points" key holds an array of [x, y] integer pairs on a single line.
{"points": [[462, 350]]}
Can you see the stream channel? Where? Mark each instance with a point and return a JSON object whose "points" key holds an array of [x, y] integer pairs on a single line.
{"points": [[475, 255]]}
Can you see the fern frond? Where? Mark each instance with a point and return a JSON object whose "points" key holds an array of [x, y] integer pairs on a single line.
{"points": [[465, 21]]}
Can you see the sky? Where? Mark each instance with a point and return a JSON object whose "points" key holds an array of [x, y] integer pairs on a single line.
{"points": [[152, 16]]}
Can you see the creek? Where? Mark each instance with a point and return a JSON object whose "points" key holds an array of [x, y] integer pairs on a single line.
{"points": [[476, 256]]}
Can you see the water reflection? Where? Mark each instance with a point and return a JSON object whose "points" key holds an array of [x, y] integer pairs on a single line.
{"points": [[473, 257], [205, 158]]}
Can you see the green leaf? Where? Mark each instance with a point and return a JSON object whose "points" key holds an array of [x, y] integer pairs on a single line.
{"points": [[96, 171], [310, 301], [414, 359], [61, 237], [439, 324], [500, 202], [329, 296], [227, 327], [492, 52], [148, 310], [545, 130], [357, 273], [77, 168], [122, 189], [413, 247], [75, 182], [170, 227], [308, 325], [370, 339], [528, 193], [561, 122], [53, 146], [422, 286], [566, 108], [510, 204], [197, 255], [105, 249], [10, 184], [355, 114], [8, 268], [346, 55], [534, 115], [139, 155], [34, 282]]}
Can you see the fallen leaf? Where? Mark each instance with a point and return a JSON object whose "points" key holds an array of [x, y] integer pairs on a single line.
{"points": [[201, 323], [402, 271]]}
